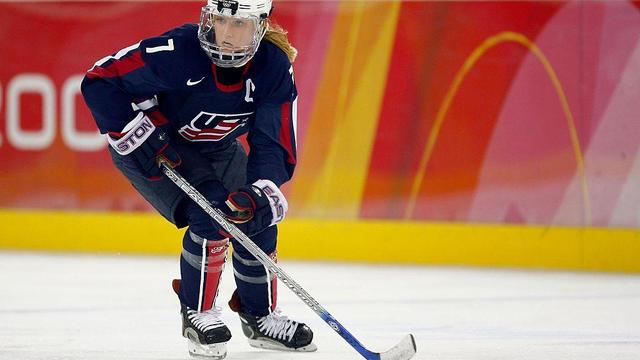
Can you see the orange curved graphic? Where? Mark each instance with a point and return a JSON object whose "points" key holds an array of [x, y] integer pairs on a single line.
{"points": [[506, 36]]}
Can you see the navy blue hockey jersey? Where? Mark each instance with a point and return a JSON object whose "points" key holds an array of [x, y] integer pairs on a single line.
{"points": [[170, 78]]}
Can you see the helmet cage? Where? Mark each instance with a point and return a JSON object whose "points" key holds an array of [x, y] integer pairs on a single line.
{"points": [[238, 56]]}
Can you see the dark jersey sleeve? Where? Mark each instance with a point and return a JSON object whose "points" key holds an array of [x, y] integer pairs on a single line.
{"points": [[272, 138], [117, 87]]}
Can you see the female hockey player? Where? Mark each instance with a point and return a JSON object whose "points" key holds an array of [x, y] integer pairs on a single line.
{"points": [[185, 97]]}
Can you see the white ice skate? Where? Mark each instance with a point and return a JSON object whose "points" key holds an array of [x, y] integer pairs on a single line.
{"points": [[277, 332], [207, 335]]}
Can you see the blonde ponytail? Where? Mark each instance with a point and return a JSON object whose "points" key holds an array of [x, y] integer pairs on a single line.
{"points": [[278, 36]]}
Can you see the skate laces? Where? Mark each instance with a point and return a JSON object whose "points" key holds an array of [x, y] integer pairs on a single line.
{"points": [[277, 326], [205, 320]]}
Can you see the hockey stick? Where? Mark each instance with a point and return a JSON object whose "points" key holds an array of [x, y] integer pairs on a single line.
{"points": [[404, 350]]}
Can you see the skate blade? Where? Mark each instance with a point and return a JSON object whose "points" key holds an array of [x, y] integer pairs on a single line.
{"points": [[213, 351], [274, 345]]}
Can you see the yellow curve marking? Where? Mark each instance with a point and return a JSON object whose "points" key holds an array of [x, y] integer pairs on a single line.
{"points": [[489, 43]]}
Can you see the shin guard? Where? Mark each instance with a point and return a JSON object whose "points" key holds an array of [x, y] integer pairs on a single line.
{"points": [[256, 287], [257, 292], [201, 264]]}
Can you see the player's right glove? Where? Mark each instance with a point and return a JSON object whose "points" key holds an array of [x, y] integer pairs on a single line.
{"points": [[142, 144], [256, 206]]}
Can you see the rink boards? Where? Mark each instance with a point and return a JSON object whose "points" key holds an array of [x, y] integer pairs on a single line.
{"points": [[357, 241]]}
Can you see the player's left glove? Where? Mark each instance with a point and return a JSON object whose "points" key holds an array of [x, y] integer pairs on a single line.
{"points": [[142, 144], [255, 207]]}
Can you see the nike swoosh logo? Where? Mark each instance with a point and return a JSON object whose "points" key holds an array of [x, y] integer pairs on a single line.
{"points": [[191, 83]]}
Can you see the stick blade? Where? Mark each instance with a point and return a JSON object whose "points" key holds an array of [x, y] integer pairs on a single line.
{"points": [[404, 350]]}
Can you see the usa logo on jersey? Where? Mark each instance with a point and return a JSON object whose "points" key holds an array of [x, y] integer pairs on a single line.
{"points": [[199, 129]]}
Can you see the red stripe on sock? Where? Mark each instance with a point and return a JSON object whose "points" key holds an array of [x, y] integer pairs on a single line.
{"points": [[216, 257]]}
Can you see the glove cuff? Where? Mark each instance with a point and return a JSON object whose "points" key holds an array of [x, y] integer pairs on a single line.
{"points": [[134, 134], [277, 202]]}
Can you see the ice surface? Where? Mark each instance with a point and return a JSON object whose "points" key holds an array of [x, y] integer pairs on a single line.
{"points": [[122, 307]]}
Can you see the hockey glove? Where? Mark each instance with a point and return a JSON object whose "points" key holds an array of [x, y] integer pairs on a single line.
{"points": [[255, 207], [142, 144]]}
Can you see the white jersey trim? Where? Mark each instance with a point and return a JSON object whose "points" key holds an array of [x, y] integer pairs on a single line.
{"points": [[118, 55]]}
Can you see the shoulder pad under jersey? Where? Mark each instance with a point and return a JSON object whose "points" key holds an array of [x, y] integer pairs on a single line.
{"points": [[276, 82], [175, 54]]}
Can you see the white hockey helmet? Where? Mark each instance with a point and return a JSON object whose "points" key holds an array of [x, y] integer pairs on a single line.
{"points": [[240, 26]]}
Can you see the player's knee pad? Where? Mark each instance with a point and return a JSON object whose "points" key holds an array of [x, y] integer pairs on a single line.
{"points": [[245, 264], [205, 255], [201, 264], [266, 241], [199, 221]]}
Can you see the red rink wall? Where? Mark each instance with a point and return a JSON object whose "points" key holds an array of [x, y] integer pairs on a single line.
{"points": [[427, 121]]}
